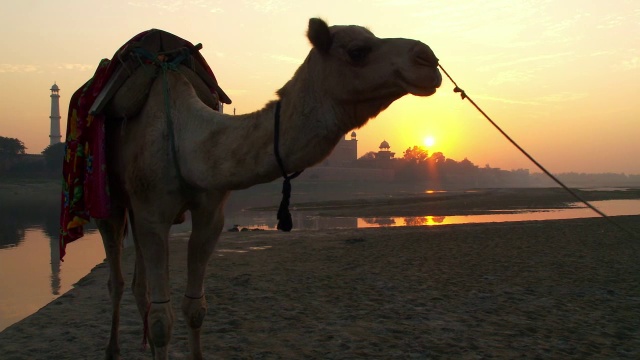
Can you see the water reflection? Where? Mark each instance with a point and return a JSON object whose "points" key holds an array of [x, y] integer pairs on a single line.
{"points": [[575, 211], [30, 267], [29, 242], [250, 220]]}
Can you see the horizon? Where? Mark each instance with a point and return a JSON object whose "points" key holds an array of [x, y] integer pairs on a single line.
{"points": [[532, 172], [560, 78]]}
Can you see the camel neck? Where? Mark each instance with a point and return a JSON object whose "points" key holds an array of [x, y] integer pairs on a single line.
{"points": [[238, 150]]}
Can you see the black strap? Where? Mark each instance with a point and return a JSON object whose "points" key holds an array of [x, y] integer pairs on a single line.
{"points": [[284, 216]]}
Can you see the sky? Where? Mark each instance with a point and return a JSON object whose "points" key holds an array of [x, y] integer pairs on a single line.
{"points": [[562, 78]]}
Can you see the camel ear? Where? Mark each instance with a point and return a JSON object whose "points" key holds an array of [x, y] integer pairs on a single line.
{"points": [[319, 35]]}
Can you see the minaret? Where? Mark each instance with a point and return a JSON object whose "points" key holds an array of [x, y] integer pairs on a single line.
{"points": [[54, 137]]}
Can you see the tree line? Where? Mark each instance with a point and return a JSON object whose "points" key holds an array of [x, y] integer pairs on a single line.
{"points": [[436, 170], [15, 161], [415, 165]]}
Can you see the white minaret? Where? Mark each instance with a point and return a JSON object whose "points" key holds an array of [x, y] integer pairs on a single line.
{"points": [[54, 137]]}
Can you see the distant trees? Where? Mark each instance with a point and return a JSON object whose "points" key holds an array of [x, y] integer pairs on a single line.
{"points": [[437, 158], [11, 146], [10, 149], [436, 170], [416, 154], [14, 161], [412, 165], [53, 155], [371, 155]]}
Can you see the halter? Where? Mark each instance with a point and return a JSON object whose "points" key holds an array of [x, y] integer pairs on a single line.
{"points": [[284, 216]]}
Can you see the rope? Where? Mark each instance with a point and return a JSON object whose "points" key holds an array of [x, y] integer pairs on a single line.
{"points": [[464, 96], [285, 223]]}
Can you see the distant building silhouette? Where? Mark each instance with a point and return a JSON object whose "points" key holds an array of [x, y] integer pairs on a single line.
{"points": [[54, 134], [384, 153], [344, 154], [342, 165]]}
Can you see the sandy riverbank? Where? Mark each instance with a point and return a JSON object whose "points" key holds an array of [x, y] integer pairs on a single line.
{"points": [[553, 289]]}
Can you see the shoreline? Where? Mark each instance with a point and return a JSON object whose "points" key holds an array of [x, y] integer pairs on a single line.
{"points": [[554, 288]]}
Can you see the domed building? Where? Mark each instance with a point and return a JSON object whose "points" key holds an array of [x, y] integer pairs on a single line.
{"points": [[343, 164], [385, 153]]}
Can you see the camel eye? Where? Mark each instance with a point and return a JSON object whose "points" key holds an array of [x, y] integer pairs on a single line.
{"points": [[358, 54]]}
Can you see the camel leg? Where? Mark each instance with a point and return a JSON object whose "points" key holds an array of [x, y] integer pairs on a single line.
{"points": [[141, 293], [112, 232], [152, 240], [139, 283], [207, 221]]}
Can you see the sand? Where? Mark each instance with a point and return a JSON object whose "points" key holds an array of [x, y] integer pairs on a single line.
{"points": [[551, 289]]}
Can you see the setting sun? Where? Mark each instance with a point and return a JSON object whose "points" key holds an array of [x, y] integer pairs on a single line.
{"points": [[429, 141]]}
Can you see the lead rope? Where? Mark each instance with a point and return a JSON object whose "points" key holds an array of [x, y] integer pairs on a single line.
{"points": [[284, 216], [464, 95]]}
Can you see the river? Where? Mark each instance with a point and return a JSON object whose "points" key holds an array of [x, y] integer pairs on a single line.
{"points": [[33, 276]]}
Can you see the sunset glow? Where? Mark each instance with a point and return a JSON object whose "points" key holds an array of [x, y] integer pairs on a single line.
{"points": [[550, 73]]}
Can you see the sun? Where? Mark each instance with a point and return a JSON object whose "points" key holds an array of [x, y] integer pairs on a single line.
{"points": [[429, 141]]}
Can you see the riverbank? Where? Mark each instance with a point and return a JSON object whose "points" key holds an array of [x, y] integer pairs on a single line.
{"points": [[552, 289], [28, 191], [452, 202]]}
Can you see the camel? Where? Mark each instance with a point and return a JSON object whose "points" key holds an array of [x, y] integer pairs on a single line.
{"points": [[348, 77]]}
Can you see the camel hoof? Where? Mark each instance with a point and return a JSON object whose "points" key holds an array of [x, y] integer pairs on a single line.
{"points": [[112, 354]]}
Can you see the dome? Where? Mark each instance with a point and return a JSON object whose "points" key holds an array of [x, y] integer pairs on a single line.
{"points": [[55, 87], [353, 134], [384, 145]]}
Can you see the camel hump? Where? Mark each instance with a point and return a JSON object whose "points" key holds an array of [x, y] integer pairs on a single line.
{"points": [[139, 62]]}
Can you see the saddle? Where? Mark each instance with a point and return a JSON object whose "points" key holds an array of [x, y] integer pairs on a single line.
{"points": [[140, 63]]}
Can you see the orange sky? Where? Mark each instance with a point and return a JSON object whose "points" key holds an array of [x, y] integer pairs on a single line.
{"points": [[561, 77]]}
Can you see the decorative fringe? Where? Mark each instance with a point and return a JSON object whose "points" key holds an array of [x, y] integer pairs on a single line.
{"points": [[284, 216]]}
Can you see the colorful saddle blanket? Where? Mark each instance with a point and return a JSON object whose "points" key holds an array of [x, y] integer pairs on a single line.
{"points": [[85, 191]]}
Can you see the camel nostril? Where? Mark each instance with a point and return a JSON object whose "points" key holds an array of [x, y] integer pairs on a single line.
{"points": [[423, 55]]}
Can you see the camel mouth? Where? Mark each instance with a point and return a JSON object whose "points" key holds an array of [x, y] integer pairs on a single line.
{"points": [[421, 89], [423, 92]]}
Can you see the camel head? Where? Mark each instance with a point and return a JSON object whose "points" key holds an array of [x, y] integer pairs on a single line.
{"points": [[354, 68]]}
